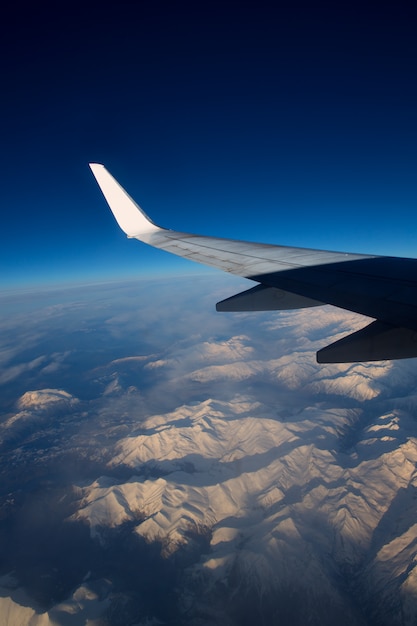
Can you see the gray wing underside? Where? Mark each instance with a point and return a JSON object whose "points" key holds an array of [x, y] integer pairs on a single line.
{"points": [[383, 288]]}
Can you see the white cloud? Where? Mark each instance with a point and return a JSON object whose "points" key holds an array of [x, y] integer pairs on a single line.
{"points": [[15, 371]]}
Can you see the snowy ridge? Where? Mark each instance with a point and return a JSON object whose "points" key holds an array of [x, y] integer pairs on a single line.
{"points": [[43, 398], [83, 607], [275, 494], [36, 406]]}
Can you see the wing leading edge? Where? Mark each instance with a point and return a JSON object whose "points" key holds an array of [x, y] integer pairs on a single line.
{"points": [[382, 288]]}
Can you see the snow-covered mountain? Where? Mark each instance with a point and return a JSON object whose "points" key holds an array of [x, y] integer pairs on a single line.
{"points": [[278, 497], [208, 472]]}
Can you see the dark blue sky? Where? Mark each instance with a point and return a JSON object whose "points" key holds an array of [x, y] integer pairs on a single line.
{"points": [[288, 125]]}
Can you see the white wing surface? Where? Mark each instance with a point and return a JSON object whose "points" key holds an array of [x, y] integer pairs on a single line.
{"points": [[383, 288]]}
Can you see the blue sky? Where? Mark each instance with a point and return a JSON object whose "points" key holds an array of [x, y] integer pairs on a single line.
{"points": [[292, 125]]}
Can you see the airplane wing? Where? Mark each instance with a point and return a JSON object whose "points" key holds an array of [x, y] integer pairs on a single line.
{"points": [[382, 288]]}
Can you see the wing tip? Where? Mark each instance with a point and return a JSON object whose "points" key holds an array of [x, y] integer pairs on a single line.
{"points": [[129, 215]]}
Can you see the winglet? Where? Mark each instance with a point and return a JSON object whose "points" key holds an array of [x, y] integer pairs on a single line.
{"points": [[130, 217]]}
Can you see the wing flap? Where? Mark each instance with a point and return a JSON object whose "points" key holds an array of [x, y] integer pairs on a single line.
{"points": [[376, 342], [262, 298]]}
